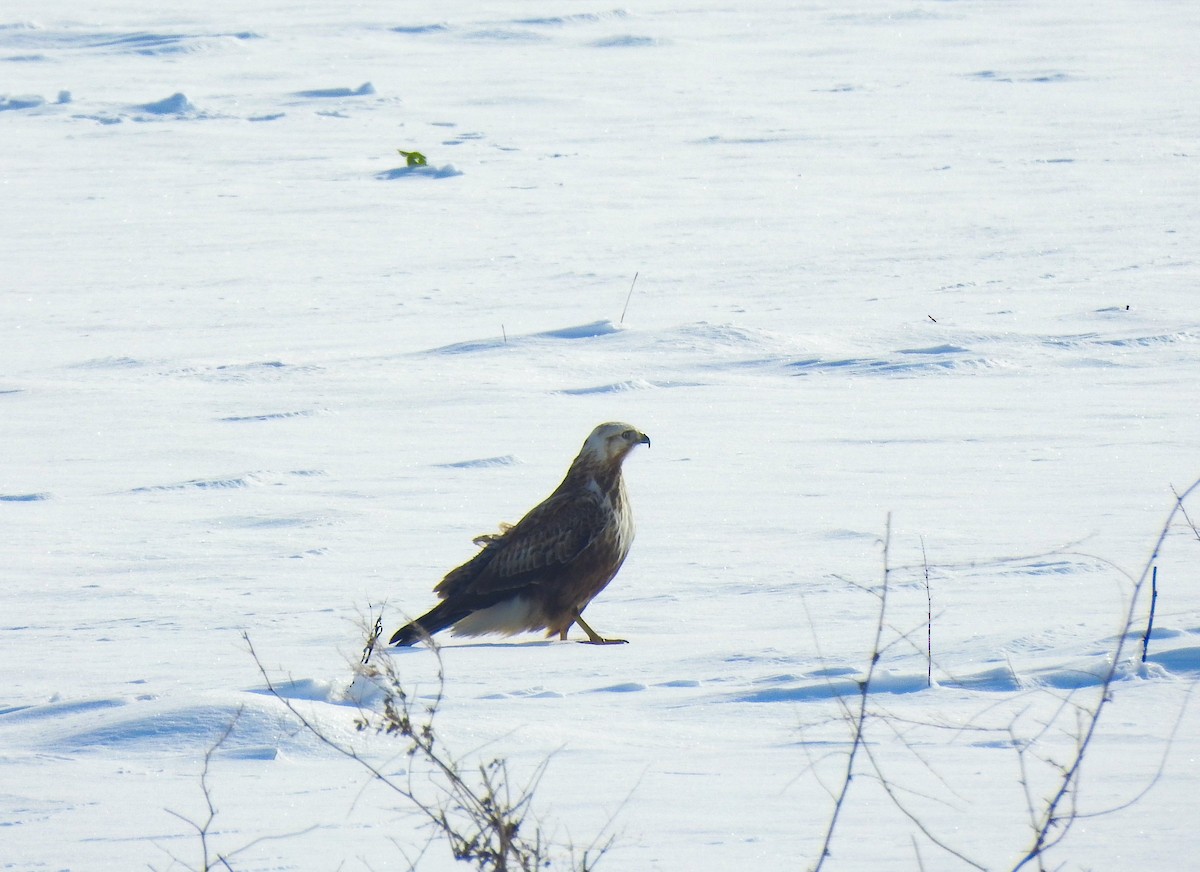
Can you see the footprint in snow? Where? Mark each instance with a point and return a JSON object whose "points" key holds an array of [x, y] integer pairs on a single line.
{"points": [[268, 416], [366, 89], [424, 171], [481, 463], [624, 687]]}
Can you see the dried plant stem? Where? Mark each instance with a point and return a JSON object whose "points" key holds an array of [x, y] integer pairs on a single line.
{"points": [[928, 619], [628, 297], [858, 724], [1150, 620]]}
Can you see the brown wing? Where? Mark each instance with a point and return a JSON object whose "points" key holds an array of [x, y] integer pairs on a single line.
{"points": [[536, 550]]}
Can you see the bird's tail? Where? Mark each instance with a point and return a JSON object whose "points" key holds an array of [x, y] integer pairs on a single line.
{"points": [[435, 620]]}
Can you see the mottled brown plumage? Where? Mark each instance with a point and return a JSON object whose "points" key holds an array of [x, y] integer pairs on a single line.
{"points": [[541, 573]]}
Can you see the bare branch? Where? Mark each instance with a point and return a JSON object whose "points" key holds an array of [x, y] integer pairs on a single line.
{"points": [[1183, 511], [210, 860], [478, 811], [1059, 812], [891, 791], [858, 725]]}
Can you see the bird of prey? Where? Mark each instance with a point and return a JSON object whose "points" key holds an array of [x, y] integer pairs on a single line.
{"points": [[541, 572]]}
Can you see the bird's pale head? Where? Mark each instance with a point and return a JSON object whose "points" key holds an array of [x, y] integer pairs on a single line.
{"points": [[609, 443]]}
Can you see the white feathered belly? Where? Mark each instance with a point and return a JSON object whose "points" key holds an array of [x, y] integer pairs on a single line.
{"points": [[517, 615], [621, 518]]}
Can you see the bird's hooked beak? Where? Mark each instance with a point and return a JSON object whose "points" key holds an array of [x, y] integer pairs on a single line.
{"points": [[645, 440]]}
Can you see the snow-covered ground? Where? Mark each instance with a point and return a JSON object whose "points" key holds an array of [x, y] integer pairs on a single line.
{"points": [[932, 259]]}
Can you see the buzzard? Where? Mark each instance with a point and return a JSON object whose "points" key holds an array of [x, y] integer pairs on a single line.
{"points": [[541, 572]]}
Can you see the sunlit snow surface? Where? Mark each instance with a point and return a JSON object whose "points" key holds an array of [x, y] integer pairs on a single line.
{"points": [[932, 259]]}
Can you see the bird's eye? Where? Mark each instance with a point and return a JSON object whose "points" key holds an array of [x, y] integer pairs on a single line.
{"points": [[628, 434]]}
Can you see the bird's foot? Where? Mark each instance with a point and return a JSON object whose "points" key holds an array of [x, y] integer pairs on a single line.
{"points": [[594, 638]]}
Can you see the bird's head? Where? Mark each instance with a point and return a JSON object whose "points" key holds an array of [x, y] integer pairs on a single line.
{"points": [[609, 443]]}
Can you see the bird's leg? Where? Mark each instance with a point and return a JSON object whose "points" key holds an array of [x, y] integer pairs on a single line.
{"points": [[595, 638]]}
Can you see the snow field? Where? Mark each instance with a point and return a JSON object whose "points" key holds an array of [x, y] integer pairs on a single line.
{"points": [[935, 261]]}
